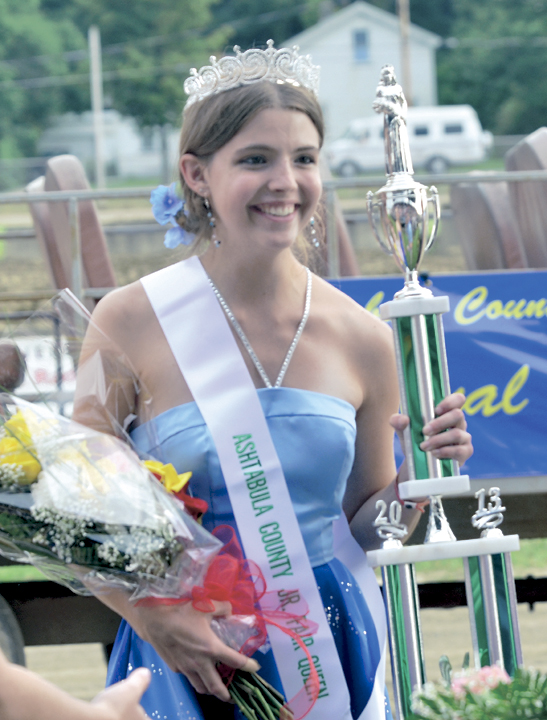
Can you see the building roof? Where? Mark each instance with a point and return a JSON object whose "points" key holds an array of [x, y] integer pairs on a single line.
{"points": [[360, 10]]}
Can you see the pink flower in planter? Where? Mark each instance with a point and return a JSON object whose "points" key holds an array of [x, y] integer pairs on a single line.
{"points": [[478, 681]]}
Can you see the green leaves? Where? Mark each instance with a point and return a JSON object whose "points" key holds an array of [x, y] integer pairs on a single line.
{"points": [[524, 697], [446, 670]]}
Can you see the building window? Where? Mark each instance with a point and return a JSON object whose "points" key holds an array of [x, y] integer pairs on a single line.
{"points": [[361, 49], [453, 129], [421, 130]]}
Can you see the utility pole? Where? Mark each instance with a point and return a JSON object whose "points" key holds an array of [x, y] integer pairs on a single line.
{"points": [[96, 71], [404, 24]]}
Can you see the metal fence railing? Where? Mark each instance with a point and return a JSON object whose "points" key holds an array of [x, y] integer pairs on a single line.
{"points": [[73, 197]]}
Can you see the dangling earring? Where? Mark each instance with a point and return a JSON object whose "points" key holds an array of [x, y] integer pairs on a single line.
{"points": [[314, 240], [212, 223]]}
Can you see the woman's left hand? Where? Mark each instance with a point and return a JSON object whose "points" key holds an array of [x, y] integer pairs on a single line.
{"points": [[446, 435]]}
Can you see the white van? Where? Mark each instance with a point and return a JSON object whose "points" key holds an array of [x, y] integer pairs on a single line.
{"points": [[440, 136]]}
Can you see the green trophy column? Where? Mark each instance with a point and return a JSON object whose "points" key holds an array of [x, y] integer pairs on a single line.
{"points": [[405, 636], [423, 383], [402, 610], [491, 594]]}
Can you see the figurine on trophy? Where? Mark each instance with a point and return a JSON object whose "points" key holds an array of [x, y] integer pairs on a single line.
{"points": [[390, 99], [404, 216]]}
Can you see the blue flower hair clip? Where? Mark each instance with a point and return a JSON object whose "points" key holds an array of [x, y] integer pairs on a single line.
{"points": [[166, 206]]}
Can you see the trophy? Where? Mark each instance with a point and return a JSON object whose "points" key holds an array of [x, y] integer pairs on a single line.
{"points": [[404, 216]]}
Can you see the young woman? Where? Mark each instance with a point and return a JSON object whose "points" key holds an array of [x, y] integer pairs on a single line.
{"points": [[323, 368]]}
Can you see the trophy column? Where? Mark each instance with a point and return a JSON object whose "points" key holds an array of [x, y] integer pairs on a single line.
{"points": [[418, 334], [400, 592], [491, 594]]}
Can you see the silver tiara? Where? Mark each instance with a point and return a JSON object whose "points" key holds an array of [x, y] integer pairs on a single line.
{"points": [[284, 66]]}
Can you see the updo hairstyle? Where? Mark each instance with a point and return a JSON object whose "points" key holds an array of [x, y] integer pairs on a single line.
{"points": [[211, 123]]}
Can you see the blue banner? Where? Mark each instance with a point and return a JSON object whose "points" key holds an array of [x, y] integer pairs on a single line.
{"points": [[496, 342]]}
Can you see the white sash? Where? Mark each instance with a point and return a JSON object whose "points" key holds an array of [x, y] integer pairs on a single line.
{"points": [[208, 356]]}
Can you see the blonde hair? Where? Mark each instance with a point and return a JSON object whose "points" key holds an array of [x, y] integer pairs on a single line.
{"points": [[210, 124]]}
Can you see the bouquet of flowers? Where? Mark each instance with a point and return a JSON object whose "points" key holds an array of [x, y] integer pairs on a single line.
{"points": [[81, 506], [479, 694]]}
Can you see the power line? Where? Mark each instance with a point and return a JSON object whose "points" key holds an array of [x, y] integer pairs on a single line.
{"points": [[81, 78]]}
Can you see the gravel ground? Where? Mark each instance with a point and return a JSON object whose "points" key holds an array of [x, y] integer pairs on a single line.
{"points": [[81, 669]]}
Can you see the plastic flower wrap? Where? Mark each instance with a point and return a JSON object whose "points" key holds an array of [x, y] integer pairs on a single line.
{"points": [[81, 506], [79, 503]]}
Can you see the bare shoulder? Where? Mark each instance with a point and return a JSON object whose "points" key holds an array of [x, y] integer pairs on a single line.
{"points": [[367, 338], [122, 309]]}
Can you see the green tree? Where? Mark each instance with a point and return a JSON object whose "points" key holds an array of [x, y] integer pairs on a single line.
{"points": [[148, 49], [31, 47], [498, 65], [253, 22], [437, 16]]}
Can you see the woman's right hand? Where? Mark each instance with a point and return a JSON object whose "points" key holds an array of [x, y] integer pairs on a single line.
{"points": [[183, 637]]}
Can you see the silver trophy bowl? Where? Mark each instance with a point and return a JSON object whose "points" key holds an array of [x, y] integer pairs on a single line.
{"points": [[404, 216]]}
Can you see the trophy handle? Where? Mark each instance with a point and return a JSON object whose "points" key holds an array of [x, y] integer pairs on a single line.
{"points": [[434, 199], [372, 205]]}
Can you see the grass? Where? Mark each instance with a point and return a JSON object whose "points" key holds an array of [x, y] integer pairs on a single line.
{"points": [[530, 560], [20, 573]]}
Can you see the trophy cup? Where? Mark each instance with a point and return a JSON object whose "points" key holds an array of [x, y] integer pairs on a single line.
{"points": [[404, 216]]}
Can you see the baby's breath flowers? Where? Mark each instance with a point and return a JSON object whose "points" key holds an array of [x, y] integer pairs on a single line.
{"points": [[82, 507]]}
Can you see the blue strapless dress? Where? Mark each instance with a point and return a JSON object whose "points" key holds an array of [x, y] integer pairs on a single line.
{"points": [[314, 435]]}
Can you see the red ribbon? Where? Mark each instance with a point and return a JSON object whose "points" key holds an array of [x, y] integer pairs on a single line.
{"points": [[234, 579]]}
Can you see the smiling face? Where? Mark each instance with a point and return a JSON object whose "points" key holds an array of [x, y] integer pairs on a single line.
{"points": [[264, 184]]}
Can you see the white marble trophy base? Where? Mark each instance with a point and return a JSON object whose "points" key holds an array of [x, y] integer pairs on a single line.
{"points": [[443, 550], [409, 306], [446, 486]]}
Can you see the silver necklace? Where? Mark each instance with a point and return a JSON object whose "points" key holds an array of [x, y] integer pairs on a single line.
{"points": [[247, 345]]}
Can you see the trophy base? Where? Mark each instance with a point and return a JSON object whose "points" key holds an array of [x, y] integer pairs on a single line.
{"points": [[446, 486], [407, 307], [443, 551]]}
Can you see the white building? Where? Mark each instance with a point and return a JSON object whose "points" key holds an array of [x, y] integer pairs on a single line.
{"points": [[351, 45], [129, 151]]}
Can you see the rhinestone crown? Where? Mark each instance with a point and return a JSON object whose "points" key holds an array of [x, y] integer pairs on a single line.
{"points": [[284, 66]]}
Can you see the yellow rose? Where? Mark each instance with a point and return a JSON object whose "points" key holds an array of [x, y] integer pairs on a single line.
{"points": [[16, 448], [12, 452], [17, 427]]}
